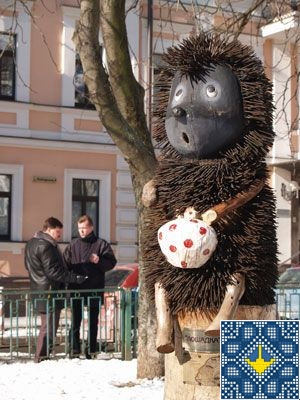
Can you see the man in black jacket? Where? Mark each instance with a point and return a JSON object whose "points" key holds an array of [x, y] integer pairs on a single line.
{"points": [[91, 256], [46, 269]]}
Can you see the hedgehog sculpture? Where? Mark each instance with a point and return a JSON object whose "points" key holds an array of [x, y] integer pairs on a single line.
{"points": [[213, 124]]}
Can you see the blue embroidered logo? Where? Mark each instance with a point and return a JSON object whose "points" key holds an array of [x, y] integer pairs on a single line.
{"points": [[260, 360]]}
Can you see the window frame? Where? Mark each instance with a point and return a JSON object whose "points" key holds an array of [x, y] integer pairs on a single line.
{"points": [[87, 198], [12, 53], [22, 31], [86, 104], [70, 16], [16, 171], [7, 195], [104, 210]]}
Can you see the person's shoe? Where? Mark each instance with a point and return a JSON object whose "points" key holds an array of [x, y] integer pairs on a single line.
{"points": [[74, 353], [40, 359], [104, 347], [91, 355]]}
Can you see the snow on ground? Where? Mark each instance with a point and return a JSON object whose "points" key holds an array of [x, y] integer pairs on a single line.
{"points": [[76, 379]]}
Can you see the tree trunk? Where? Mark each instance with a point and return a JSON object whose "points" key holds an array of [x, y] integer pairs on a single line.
{"points": [[119, 100], [150, 362]]}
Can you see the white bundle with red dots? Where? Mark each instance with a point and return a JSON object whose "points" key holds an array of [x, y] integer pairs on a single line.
{"points": [[187, 243]]}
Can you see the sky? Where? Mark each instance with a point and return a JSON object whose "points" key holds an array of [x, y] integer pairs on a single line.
{"points": [[76, 379]]}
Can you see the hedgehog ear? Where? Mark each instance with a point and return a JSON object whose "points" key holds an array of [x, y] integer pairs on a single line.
{"points": [[209, 216]]}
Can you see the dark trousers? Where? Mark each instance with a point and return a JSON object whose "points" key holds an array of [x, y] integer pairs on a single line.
{"points": [[74, 335], [49, 325]]}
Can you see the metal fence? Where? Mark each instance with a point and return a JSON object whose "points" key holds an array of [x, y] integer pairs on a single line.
{"points": [[288, 303], [117, 324], [20, 322]]}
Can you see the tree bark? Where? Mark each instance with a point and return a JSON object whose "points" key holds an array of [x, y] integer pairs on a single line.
{"points": [[150, 362]]}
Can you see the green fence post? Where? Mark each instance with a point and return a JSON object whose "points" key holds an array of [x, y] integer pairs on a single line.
{"points": [[1, 312], [134, 327], [127, 325]]}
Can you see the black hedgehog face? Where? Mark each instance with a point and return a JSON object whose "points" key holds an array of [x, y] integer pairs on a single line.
{"points": [[204, 117], [213, 98]]}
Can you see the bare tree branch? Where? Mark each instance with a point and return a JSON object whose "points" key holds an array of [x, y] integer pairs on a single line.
{"points": [[128, 92], [118, 97]]}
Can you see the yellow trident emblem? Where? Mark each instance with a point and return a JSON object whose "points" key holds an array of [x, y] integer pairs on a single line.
{"points": [[260, 365]]}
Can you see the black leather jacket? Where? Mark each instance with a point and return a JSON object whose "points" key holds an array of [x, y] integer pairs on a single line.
{"points": [[77, 254], [45, 265]]}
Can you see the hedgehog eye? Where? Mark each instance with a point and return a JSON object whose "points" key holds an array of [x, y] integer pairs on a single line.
{"points": [[211, 91], [178, 93]]}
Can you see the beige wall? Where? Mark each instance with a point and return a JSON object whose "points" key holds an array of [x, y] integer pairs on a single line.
{"points": [[45, 78], [8, 118], [42, 200], [47, 121], [12, 264], [42, 117]]}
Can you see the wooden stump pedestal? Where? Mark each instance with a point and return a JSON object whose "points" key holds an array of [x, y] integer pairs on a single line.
{"points": [[195, 375]]}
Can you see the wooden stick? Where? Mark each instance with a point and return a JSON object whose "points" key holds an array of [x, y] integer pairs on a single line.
{"points": [[229, 305], [240, 199], [149, 194], [164, 336]]}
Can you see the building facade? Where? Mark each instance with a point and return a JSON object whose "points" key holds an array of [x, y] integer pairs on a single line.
{"points": [[56, 158]]}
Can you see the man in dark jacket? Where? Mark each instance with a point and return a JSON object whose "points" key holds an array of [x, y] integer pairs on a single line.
{"points": [[91, 256], [46, 269]]}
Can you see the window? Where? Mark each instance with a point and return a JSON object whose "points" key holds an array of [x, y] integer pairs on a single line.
{"points": [[87, 192], [7, 66], [85, 200], [81, 90], [5, 206], [11, 199], [157, 62]]}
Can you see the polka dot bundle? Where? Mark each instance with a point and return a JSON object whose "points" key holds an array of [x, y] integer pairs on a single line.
{"points": [[187, 243]]}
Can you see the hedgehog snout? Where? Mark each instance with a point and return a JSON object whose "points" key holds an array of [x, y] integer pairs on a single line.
{"points": [[178, 112], [185, 138]]}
